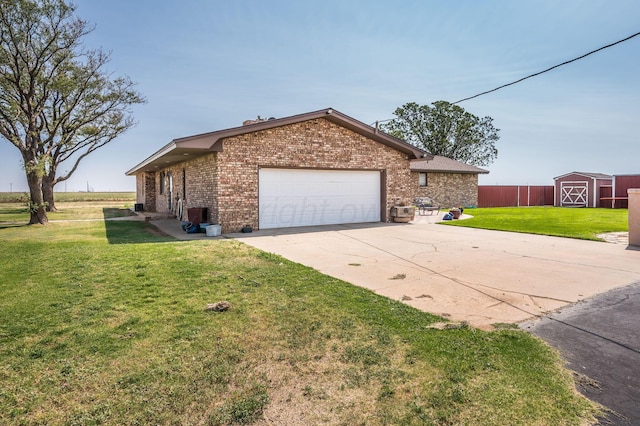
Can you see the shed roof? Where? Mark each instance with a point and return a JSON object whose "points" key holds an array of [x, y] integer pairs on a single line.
{"points": [[179, 149], [586, 174], [445, 165]]}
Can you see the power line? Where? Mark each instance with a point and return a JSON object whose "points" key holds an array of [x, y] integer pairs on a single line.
{"points": [[549, 69]]}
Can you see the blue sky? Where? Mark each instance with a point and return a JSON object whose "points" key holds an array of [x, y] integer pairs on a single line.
{"points": [[209, 65]]}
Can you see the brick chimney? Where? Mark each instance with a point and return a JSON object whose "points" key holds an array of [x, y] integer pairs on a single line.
{"points": [[257, 120]]}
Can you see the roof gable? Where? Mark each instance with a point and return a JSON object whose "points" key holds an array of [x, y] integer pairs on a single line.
{"points": [[586, 174], [178, 149]]}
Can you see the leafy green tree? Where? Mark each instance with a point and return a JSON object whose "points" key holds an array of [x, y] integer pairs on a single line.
{"points": [[57, 102], [447, 130]]}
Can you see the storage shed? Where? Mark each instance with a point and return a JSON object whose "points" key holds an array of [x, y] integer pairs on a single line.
{"points": [[581, 189]]}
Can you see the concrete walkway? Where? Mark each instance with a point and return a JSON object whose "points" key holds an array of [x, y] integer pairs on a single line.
{"points": [[479, 276]]}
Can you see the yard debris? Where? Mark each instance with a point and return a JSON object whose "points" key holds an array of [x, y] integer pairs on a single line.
{"points": [[448, 325], [399, 277], [424, 295], [250, 282], [405, 297], [218, 306], [586, 382]]}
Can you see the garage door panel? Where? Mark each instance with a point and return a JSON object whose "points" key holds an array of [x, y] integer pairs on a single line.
{"points": [[290, 197]]}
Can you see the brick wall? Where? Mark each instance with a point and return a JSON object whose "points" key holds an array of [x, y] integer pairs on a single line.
{"points": [[227, 182], [449, 189], [201, 176], [310, 144]]}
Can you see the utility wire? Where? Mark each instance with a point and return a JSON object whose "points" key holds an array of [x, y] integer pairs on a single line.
{"points": [[549, 69]]}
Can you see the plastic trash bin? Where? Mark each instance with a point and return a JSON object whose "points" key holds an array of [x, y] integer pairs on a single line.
{"points": [[213, 230]]}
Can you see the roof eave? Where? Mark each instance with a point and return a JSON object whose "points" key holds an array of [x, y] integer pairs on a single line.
{"points": [[154, 157], [464, 172]]}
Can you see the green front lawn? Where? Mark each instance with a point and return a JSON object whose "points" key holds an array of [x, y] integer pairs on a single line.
{"points": [[557, 221], [105, 323], [18, 214]]}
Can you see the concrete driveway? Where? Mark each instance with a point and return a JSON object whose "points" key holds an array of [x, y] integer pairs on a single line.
{"points": [[483, 277]]}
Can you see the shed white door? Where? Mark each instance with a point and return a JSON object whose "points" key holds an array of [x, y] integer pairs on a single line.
{"points": [[573, 194], [297, 197]]}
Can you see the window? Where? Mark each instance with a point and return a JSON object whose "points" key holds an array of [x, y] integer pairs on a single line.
{"points": [[170, 190], [422, 179], [184, 184], [161, 182]]}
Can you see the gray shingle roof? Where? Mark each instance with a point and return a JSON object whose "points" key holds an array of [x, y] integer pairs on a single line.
{"points": [[445, 165]]}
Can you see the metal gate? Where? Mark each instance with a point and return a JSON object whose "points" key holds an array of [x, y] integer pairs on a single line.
{"points": [[574, 194]]}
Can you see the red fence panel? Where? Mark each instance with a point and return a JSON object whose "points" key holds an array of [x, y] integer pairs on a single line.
{"points": [[624, 182], [541, 195], [514, 195], [497, 196]]}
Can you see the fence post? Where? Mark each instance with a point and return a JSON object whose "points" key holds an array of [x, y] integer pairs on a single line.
{"points": [[634, 216]]}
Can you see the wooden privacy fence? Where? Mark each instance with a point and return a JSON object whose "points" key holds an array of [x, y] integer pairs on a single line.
{"points": [[514, 195]]}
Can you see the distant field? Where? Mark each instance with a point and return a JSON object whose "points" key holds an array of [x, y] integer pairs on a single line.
{"points": [[18, 197]]}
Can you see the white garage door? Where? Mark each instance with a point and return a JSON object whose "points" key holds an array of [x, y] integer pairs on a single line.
{"points": [[296, 197]]}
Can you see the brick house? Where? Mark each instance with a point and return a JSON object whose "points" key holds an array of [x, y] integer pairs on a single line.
{"points": [[316, 168], [448, 182]]}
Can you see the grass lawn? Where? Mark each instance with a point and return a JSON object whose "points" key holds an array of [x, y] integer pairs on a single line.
{"points": [[17, 213], [105, 323], [557, 221]]}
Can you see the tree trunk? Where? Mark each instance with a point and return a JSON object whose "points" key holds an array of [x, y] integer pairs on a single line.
{"points": [[37, 205], [47, 194]]}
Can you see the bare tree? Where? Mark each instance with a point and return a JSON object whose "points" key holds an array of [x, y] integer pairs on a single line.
{"points": [[57, 102]]}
